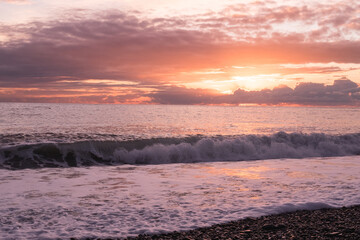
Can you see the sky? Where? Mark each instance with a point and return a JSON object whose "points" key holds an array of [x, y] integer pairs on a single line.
{"points": [[211, 52]]}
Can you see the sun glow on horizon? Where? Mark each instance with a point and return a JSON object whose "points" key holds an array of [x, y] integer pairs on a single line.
{"points": [[180, 52]]}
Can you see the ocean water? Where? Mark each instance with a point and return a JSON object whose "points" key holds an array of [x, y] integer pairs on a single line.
{"points": [[72, 170]]}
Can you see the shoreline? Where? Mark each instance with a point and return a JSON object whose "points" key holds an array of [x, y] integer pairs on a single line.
{"points": [[327, 223]]}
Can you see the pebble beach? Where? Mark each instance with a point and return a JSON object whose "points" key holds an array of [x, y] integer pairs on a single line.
{"points": [[333, 223]]}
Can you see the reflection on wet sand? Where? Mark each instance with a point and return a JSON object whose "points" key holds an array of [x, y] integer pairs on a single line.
{"points": [[246, 173]]}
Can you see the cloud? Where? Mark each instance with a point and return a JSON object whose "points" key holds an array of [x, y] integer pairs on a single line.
{"points": [[59, 56], [117, 47], [125, 47], [15, 1], [181, 95], [343, 92], [316, 21], [126, 96]]}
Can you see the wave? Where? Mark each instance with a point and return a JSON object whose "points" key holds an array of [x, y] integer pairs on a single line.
{"points": [[179, 150]]}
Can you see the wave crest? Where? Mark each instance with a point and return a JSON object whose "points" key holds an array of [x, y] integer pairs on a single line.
{"points": [[179, 150]]}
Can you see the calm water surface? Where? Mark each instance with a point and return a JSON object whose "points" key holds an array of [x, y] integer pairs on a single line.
{"points": [[71, 122]]}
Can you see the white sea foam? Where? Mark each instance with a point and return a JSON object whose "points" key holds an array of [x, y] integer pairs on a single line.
{"points": [[180, 150], [119, 201], [280, 145]]}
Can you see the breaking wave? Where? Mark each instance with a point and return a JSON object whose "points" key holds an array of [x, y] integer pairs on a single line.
{"points": [[179, 150]]}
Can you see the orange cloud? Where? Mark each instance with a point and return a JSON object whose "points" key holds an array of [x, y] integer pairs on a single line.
{"points": [[120, 58]]}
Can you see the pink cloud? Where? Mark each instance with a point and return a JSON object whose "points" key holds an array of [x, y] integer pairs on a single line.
{"points": [[15, 1], [152, 52]]}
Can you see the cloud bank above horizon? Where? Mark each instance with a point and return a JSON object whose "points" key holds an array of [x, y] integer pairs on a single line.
{"points": [[269, 53]]}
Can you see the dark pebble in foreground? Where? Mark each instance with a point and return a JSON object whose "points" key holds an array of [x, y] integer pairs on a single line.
{"points": [[334, 223]]}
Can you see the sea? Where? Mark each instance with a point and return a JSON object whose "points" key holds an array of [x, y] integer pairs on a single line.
{"points": [[100, 171]]}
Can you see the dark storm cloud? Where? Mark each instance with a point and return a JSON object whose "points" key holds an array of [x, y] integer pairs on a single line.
{"points": [[342, 93]]}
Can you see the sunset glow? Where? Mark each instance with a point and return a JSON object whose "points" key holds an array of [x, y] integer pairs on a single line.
{"points": [[179, 119], [165, 51]]}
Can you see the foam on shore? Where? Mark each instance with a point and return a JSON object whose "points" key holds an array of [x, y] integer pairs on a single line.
{"points": [[128, 200]]}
